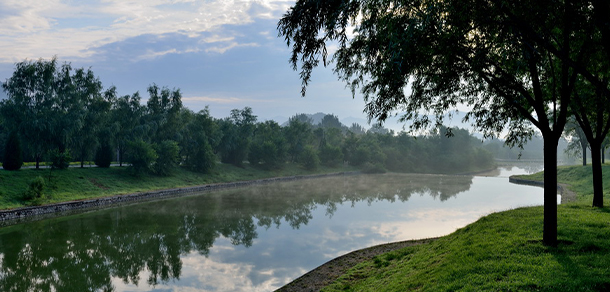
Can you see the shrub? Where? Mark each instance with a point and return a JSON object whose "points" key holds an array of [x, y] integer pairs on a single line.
{"points": [[309, 158], [331, 155], [35, 189], [103, 157], [59, 159], [203, 160], [141, 156], [12, 153], [168, 157]]}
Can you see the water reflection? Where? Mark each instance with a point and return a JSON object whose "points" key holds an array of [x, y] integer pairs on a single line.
{"points": [[145, 247]]}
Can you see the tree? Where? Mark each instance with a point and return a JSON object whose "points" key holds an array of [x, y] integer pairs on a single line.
{"points": [[268, 148], [331, 121], [590, 109], [237, 134], [31, 97], [578, 141], [163, 113], [425, 57], [357, 129], [199, 136], [168, 157], [13, 159], [104, 154], [298, 135], [126, 113], [94, 108]]}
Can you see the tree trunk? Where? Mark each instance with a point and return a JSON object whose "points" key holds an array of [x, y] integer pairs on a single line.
{"points": [[584, 154], [549, 232], [596, 167], [37, 161]]}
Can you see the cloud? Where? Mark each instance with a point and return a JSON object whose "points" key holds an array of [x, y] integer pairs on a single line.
{"points": [[33, 29]]}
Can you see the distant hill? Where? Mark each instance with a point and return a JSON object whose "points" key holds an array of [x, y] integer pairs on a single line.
{"points": [[391, 123]]}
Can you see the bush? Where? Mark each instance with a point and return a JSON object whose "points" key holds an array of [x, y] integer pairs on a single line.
{"points": [[309, 158], [203, 160], [266, 155], [103, 157], [168, 157], [35, 189], [331, 155], [141, 156], [12, 153], [60, 160]]}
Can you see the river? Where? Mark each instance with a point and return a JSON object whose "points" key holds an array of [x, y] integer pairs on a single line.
{"points": [[245, 239]]}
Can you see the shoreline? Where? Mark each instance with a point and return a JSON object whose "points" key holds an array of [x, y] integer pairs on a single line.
{"points": [[330, 271], [35, 213], [566, 194]]}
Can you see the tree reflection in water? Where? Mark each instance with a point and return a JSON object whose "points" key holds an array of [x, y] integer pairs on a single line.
{"points": [[84, 252]]}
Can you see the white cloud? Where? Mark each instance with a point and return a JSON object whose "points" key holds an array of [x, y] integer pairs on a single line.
{"points": [[33, 29]]}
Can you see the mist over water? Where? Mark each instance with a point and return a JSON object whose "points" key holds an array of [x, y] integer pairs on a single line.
{"points": [[246, 239]]}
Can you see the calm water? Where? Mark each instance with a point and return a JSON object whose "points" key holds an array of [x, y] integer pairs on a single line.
{"points": [[248, 239]]}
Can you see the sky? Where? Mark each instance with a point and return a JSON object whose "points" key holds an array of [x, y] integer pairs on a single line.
{"points": [[224, 54]]}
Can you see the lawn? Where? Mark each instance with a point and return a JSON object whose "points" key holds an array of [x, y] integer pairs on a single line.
{"points": [[91, 182]]}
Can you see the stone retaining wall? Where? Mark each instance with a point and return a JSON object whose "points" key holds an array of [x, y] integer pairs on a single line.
{"points": [[19, 215]]}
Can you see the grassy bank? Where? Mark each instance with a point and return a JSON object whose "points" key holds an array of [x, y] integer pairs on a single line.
{"points": [[503, 252], [86, 183]]}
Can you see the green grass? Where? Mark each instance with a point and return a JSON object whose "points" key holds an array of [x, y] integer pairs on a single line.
{"points": [[503, 252], [91, 182]]}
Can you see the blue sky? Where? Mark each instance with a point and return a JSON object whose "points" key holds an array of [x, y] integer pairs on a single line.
{"points": [[221, 53]]}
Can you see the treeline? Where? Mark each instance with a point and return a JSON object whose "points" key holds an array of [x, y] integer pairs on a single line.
{"points": [[58, 114]]}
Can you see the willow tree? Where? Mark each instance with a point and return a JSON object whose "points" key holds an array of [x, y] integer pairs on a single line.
{"points": [[421, 58]]}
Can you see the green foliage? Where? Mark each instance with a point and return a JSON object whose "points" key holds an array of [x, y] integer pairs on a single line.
{"points": [[331, 155], [59, 159], [269, 148], [104, 155], [199, 137], [203, 160], [35, 189], [237, 133], [168, 158], [298, 135], [142, 156], [163, 113], [12, 153], [309, 158]]}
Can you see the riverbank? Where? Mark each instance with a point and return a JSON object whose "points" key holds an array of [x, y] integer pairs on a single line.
{"points": [[78, 189], [502, 251]]}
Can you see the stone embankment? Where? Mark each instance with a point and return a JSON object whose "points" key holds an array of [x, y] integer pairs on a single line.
{"points": [[15, 216], [566, 194]]}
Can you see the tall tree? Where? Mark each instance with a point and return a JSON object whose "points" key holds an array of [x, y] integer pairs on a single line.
{"points": [[163, 112], [28, 109], [126, 113], [199, 136], [95, 109], [298, 135], [578, 141], [237, 133], [424, 57], [591, 110]]}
